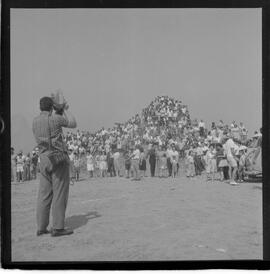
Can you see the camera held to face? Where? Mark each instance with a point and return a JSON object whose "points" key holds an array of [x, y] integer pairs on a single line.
{"points": [[60, 103]]}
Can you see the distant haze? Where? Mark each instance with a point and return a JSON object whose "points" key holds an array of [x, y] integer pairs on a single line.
{"points": [[112, 63]]}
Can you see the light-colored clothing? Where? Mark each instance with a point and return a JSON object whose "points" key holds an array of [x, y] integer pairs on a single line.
{"points": [[190, 167], [90, 163]]}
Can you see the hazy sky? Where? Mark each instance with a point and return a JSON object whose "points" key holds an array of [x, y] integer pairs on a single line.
{"points": [[112, 63]]}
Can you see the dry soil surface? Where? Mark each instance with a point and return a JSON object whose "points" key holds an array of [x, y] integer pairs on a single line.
{"points": [[116, 219]]}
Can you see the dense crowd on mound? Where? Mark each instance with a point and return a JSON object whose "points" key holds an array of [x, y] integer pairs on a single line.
{"points": [[163, 135]]}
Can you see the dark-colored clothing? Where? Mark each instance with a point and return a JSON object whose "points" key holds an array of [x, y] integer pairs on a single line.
{"points": [[110, 164], [198, 165], [152, 161], [142, 165], [169, 166], [226, 172]]}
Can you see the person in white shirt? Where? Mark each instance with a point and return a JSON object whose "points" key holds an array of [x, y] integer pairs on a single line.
{"points": [[116, 157], [230, 149], [135, 159]]}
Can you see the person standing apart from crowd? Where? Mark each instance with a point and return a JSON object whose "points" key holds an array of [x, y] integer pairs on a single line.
{"points": [[54, 178]]}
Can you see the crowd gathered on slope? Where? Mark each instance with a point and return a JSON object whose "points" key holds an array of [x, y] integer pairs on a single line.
{"points": [[162, 141]]}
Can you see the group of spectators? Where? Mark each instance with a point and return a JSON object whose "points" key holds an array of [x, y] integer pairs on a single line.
{"points": [[24, 167], [162, 140]]}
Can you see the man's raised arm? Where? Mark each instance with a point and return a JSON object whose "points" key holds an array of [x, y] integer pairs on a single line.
{"points": [[70, 118]]}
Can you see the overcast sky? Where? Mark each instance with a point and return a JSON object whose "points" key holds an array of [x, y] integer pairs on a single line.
{"points": [[112, 63]]}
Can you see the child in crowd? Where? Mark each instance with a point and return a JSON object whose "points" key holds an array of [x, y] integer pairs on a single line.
{"points": [[211, 163], [190, 167], [77, 166], [90, 164]]}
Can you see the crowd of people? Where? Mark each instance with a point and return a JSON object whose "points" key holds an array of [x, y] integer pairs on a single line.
{"points": [[162, 141]]}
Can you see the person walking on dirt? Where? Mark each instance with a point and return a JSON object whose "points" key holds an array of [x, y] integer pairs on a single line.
{"points": [[54, 173]]}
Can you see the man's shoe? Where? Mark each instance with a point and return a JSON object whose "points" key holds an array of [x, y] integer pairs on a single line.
{"points": [[61, 232], [41, 232]]}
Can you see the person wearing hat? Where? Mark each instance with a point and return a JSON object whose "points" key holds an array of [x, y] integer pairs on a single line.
{"points": [[54, 178], [242, 162]]}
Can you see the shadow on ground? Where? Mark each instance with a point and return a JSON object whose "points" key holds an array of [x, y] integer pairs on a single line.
{"points": [[77, 221]]}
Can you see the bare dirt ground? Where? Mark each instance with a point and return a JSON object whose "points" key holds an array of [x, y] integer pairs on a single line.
{"points": [[154, 219]]}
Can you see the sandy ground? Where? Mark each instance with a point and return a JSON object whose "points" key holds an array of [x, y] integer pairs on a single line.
{"points": [[154, 219]]}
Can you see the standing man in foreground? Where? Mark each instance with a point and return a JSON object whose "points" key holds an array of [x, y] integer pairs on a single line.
{"points": [[54, 178]]}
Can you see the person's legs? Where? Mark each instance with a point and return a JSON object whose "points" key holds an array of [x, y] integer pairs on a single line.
{"points": [[45, 195], [34, 172], [169, 164], [21, 176], [233, 165], [234, 171], [226, 173], [17, 176], [240, 173], [60, 184], [28, 173], [136, 170]]}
